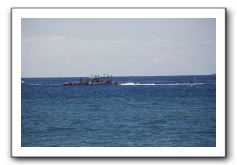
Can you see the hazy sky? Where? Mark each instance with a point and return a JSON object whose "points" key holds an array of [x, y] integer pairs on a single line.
{"points": [[121, 47]]}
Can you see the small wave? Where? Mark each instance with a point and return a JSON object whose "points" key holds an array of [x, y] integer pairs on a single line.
{"points": [[44, 84], [53, 84], [34, 84]]}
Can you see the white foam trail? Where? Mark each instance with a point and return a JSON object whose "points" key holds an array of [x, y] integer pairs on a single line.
{"points": [[184, 84], [169, 84], [131, 83]]}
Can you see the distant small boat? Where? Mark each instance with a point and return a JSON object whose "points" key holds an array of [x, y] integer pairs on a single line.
{"points": [[22, 81]]}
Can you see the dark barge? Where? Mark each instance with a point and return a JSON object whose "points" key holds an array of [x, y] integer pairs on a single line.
{"points": [[94, 80]]}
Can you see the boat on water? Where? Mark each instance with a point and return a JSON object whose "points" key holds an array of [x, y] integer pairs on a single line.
{"points": [[94, 80]]}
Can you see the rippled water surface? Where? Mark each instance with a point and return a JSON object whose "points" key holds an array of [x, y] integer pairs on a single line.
{"points": [[161, 111]]}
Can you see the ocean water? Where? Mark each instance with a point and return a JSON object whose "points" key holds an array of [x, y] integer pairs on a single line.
{"points": [[158, 111]]}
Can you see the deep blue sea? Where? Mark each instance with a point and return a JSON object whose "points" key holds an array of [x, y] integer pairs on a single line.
{"points": [[152, 111]]}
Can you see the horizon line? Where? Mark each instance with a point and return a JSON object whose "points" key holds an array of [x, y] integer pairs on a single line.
{"points": [[124, 76]]}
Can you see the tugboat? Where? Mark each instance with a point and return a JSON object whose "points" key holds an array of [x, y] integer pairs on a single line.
{"points": [[94, 80]]}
